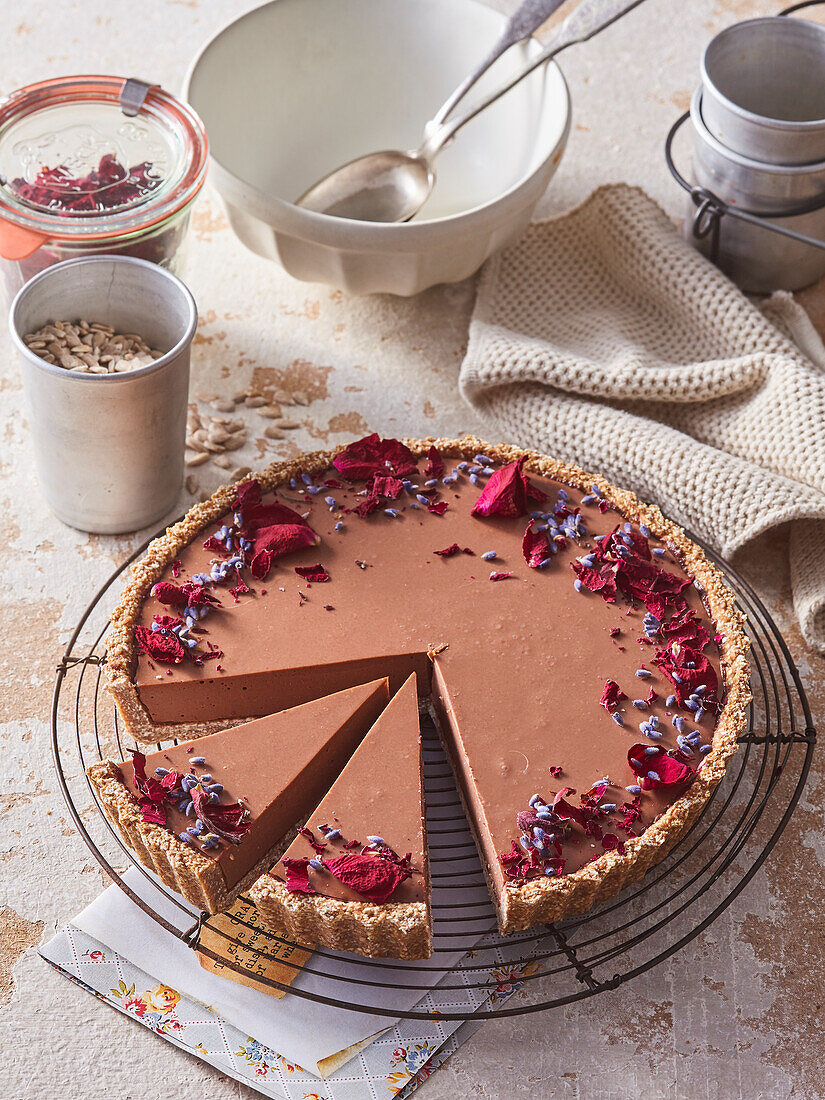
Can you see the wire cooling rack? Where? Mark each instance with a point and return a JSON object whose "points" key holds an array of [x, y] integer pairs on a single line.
{"points": [[475, 967]]}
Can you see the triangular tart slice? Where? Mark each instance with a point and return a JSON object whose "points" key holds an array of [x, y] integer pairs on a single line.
{"points": [[209, 815], [356, 878]]}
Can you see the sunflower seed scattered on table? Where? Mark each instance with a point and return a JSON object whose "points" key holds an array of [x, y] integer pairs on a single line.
{"points": [[239, 472], [270, 412], [273, 433], [300, 398], [192, 484], [196, 458], [255, 402], [223, 406], [224, 461], [86, 348], [286, 425]]}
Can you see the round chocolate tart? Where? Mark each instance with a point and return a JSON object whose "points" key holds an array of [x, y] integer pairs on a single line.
{"points": [[584, 661]]}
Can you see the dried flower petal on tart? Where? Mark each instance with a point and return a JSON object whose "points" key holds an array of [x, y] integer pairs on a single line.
{"points": [[507, 493], [656, 768], [371, 877], [373, 455]]}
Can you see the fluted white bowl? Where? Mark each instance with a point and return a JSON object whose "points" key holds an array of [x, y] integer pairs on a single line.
{"points": [[296, 87]]}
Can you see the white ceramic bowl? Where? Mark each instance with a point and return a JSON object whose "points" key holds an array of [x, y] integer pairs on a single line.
{"points": [[297, 87]]}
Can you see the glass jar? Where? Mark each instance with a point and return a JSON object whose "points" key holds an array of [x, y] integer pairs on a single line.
{"points": [[84, 170]]}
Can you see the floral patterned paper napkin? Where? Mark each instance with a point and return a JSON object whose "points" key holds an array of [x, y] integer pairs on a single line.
{"points": [[393, 1064]]}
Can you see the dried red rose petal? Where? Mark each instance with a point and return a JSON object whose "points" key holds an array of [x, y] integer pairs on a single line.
{"points": [[535, 546], [371, 877], [151, 812], [317, 846], [273, 542], [500, 576], [390, 487], [182, 595], [438, 509], [671, 772], [599, 577], [315, 574], [435, 463], [687, 669], [611, 696], [297, 876], [507, 493], [167, 649], [450, 551], [686, 629], [230, 821], [373, 455]]}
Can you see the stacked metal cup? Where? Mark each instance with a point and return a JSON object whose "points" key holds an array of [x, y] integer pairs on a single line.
{"points": [[759, 146]]}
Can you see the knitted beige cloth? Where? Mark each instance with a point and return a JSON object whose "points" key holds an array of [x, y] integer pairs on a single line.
{"points": [[604, 339]]}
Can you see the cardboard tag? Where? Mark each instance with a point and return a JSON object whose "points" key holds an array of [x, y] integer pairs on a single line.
{"points": [[237, 937]]}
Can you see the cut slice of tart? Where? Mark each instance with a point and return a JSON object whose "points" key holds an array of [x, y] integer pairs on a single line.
{"points": [[356, 877], [209, 815]]}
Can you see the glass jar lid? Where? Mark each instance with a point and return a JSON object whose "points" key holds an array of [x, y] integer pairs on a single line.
{"points": [[74, 163]]}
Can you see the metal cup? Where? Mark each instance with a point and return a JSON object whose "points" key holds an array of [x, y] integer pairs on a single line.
{"points": [[758, 260], [763, 91], [109, 448]]}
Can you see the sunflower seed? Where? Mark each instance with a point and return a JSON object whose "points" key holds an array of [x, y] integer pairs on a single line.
{"points": [[96, 346], [196, 458], [239, 472], [207, 397], [286, 425], [273, 433], [217, 435], [300, 398], [192, 484], [224, 461], [223, 406], [234, 442], [255, 402], [270, 412], [195, 445]]}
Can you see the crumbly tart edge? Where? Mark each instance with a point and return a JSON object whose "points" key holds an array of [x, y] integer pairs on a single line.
{"points": [[519, 906], [396, 930], [179, 866]]}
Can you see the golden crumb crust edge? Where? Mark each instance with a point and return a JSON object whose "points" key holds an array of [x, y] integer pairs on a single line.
{"points": [[396, 930], [539, 900]]}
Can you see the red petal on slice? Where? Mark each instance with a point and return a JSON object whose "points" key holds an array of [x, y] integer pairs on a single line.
{"points": [[535, 546], [367, 506], [230, 821], [507, 493], [500, 576], [438, 509], [297, 876], [387, 487], [152, 812], [315, 574], [435, 463], [611, 696], [309, 836], [670, 771], [164, 649], [373, 455], [273, 542], [448, 551], [564, 809], [372, 877], [686, 629]]}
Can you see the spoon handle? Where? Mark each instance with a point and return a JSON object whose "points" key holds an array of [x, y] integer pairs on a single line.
{"points": [[526, 19], [588, 18]]}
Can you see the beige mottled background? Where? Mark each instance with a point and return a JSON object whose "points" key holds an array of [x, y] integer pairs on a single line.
{"points": [[734, 1015]]}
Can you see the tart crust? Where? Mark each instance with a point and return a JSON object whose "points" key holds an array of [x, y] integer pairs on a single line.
{"points": [[179, 866], [367, 928], [396, 930]]}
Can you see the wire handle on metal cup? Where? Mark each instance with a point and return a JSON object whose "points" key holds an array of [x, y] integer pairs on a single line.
{"points": [[710, 209]]}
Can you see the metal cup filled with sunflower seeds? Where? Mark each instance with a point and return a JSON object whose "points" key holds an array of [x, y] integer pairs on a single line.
{"points": [[104, 346]]}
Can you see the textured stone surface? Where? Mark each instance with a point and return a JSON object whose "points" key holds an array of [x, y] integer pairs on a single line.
{"points": [[729, 1017]]}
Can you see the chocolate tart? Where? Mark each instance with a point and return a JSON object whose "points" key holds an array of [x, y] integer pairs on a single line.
{"points": [[368, 831], [267, 774], [517, 589]]}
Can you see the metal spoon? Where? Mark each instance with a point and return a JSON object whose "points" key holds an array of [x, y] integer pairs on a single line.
{"points": [[392, 186]]}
